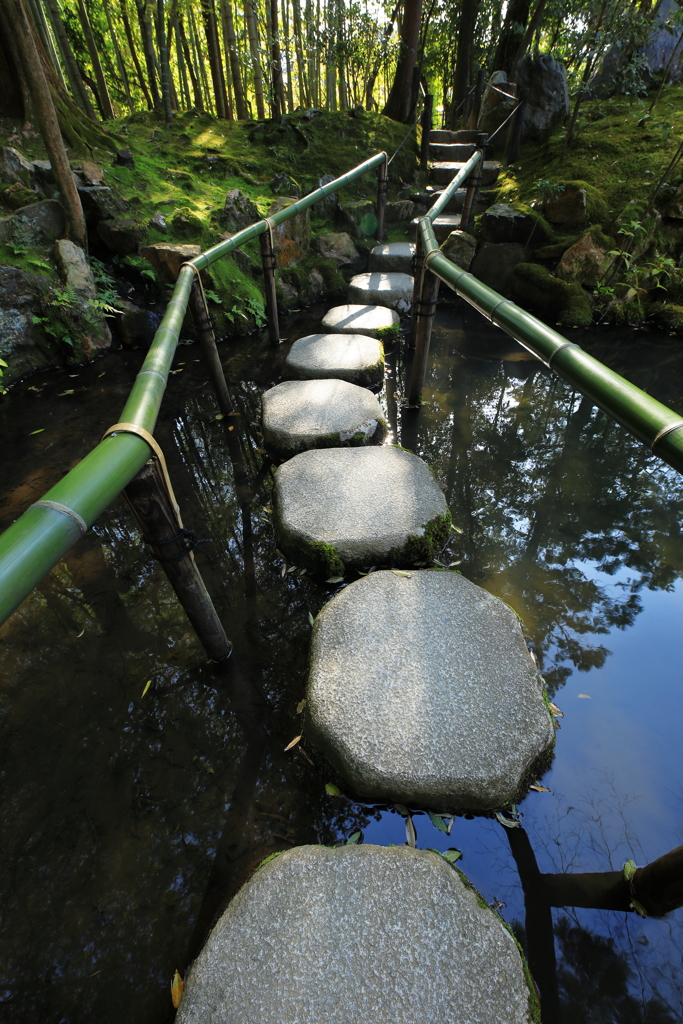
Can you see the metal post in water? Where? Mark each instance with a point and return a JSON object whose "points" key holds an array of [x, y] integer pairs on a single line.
{"points": [[429, 292], [382, 189], [269, 264], [473, 186]]}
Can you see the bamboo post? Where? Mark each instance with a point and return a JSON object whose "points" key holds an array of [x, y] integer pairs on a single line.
{"points": [[515, 134], [427, 125], [429, 292], [473, 185], [478, 92], [269, 264], [202, 321], [382, 189], [156, 513], [418, 264]]}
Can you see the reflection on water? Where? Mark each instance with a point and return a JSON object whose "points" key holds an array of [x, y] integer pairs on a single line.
{"points": [[129, 820]]}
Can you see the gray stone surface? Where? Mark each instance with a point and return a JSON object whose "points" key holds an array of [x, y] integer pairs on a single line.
{"points": [[547, 97], [14, 166], [354, 319], [76, 272], [35, 224], [353, 357], [422, 691], [494, 264], [392, 290], [367, 503], [337, 246], [392, 256], [363, 933], [504, 223], [303, 414], [442, 225], [460, 248], [442, 172]]}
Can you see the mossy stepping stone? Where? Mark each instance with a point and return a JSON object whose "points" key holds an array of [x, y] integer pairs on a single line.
{"points": [[341, 507], [374, 321], [356, 358], [362, 933], [303, 414], [422, 691], [394, 290], [396, 256]]}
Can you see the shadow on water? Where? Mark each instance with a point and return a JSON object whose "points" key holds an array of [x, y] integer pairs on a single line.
{"points": [[131, 814]]}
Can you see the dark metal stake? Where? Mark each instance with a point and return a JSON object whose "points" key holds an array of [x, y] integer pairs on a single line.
{"points": [[427, 125], [159, 522], [269, 264], [473, 185], [429, 292], [382, 189]]}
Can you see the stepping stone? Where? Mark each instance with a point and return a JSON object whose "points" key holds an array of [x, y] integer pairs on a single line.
{"points": [[353, 357], [422, 691], [392, 256], [450, 151], [362, 933], [445, 135], [442, 172], [392, 290], [303, 414], [358, 506], [443, 225], [375, 321]]}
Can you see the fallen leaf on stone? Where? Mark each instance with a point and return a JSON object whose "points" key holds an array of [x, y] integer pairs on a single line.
{"points": [[176, 990], [411, 834], [293, 743], [355, 837], [540, 789], [402, 572], [555, 710], [332, 789], [438, 822], [147, 686], [311, 619], [586, 696], [452, 855], [508, 822], [335, 579]]}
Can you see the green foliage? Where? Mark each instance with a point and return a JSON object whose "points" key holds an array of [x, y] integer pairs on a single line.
{"points": [[3, 389], [325, 559]]}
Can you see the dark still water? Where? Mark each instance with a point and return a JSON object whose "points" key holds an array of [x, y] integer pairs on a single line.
{"points": [[128, 820]]}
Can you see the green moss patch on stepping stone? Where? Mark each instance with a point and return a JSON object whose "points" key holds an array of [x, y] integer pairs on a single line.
{"points": [[361, 933], [375, 321], [352, 357], [394, 290], [303, 414], [367, 506], [422, 692]]}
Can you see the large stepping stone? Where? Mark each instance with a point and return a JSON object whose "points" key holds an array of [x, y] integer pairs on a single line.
{"points": [[375, 321], [358, 506], [393, 290], [442, 172], [450, 151], [362, 933], [392, 256], [303, 414], [356, 358], [422, 691]]}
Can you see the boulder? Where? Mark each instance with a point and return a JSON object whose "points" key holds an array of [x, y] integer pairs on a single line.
{"points": [[586, 260], [158, 221], [22, 342], [352, 357], [340, 507], [400, 212], [284, 184], [567, 206], [238, 211], [101, 202], [328, 205], [14, 166], [92, 173], [565, 303], [505, 223], [75, 271], [35, 224], [18, 195], [422, 691], [547, 95], [168, 257], [367, 933], [460, 248], [303, 414], [291, 239], [394, 290], [375, 321], [358, 217], [392, 256], [121, 236], [337, 246], [494, 263]]}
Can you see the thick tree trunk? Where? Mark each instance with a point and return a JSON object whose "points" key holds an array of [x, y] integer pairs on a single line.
{"points": [[75, 81], [399, 102], [233, 57], [514, 27], [252, 33], [102, 90], [463, 62]]}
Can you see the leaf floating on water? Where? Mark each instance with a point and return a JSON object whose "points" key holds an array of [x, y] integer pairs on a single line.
{"points": [[585, 696], [555, 710], [438, 822], [81, 634], [452, 565], [402, 810], [540, 789], [176, 990], [36, 431], [300, 706], [332, 789], [147, 686], [268, 510], [292, 568], [283, 570], [437, 561], [411, 834], [61, 393], [354, 838], [335, 579], [508, 822], [311, 619], [630, 869], [452, 855], [293, 743], [278, 552], [456, 529], [402, 572], [638, 907], [219, 416]]}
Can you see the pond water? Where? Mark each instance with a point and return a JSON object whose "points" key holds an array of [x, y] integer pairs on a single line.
{"points": [[128, 820]]}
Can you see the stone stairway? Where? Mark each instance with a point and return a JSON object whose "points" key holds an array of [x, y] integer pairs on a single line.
{"points": [[421, 693]]}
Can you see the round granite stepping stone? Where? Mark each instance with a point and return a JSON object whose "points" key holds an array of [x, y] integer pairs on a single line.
{"points": [[303, 414], [353, 357], [358, 506], [392, 290], [363, 933], [370, 320], [422, 691], [396, 256]]}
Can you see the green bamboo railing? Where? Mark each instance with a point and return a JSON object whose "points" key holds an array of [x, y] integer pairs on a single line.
{"points": [[32, 545]]}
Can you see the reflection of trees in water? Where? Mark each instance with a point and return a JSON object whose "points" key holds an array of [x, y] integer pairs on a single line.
{"points": [[549, 492]]}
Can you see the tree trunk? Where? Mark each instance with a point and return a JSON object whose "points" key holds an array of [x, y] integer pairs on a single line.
{"points": [[148, 50], [233, 57], [196, 84], [463, 63], [133, 53], [529, 34], [75, 81], [399, 102], [512, 34], [102, 91], [47, 120], [215, 62], [304, 94], [252, 32], [288, 57], [279, 103], [163, 61], [199, 62], [119, 60]]}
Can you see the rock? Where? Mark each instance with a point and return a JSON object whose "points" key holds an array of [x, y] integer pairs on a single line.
{"points": [[326, 207], [102, 203], [674, 210], [14, 166], [238, 211], [494, 263], [422, 691], [121, 236], [392, 290], [565, 303], [393, 256], [567, 206], [288, 296], [168, 257], [442, 172], [137, 327], [158, 221], [286, 185], [460, 247], [124, 158], [662, 41], [358, 217], [17, 195], [317, 284], [337, 246], [365, 933], [75, 271], [586, 260], [292, 238], [303, 414], [375, 321], [35, 224], [92, 174], [505, 223], [352, 357], [358, 506], [547, 98], [400, 212], [442, 225], [21, 340]]}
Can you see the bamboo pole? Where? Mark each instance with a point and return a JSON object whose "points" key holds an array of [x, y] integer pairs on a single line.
{"points": [[473, 186], [269, 264], [382, 189], [426, 310], [103, 92]]}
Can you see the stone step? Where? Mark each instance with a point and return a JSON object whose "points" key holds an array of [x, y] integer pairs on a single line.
{"points": [[442, 172], [301, 414], [356, 358], [442, 225], [394, 290], [361, 933], [358, 506], [456, 202], [447, 136], [450, 151], [375, 321], [422, 691], [393, 256]]}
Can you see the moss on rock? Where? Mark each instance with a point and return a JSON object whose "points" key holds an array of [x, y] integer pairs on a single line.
{"points": [[535, 286], [422, 548]]}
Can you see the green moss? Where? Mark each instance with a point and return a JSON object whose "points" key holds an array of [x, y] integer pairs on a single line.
{"points": [[324, 558], [388, 335], [670, 318], [422, 549], [535, 286]]}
